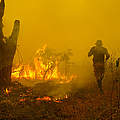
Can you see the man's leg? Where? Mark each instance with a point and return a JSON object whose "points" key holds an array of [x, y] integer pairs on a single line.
{"points": [[99, 74], [99, 82]]}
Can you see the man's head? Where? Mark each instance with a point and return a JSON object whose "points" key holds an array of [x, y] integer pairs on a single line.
{"points": [[99, 43]]}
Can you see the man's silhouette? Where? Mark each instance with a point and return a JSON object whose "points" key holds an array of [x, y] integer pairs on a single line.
{"points": [[100, 56]]}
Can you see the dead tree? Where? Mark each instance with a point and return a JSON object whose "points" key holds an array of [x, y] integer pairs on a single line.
{"points": [[7, 49]]}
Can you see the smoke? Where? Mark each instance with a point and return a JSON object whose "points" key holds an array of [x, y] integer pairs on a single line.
{"points": [[65, 25]]}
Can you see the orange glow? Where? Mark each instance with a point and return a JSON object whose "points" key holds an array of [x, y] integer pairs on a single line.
{"points": [[40, 70], [44, 99], [7, 91], [22, 100]]}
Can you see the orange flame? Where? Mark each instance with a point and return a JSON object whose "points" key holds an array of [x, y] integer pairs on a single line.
{"points": [[7, 91], [39, 70], [44, 99]]}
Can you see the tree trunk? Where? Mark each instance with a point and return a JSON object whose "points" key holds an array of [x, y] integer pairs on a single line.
{"points": [[7, 51]]}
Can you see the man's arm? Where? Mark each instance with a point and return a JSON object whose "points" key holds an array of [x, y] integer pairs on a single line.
{"points": [[117, 62], [107, 54], [90, 53]]}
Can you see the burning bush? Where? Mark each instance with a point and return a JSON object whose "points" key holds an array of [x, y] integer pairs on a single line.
{"points": [[45, 66]]}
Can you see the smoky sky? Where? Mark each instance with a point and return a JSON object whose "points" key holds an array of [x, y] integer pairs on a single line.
{"points": [[64, 24]]}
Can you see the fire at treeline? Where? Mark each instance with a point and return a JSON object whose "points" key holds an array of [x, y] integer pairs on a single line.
{"points": [[47, 64]]}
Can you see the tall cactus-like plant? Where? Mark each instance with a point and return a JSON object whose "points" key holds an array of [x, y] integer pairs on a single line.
{"points": [[7, 49]]}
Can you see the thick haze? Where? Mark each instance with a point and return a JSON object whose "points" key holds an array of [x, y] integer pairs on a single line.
{"points": [[63, 24]]}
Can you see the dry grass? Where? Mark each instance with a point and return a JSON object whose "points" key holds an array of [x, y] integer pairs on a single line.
{"points": [[83, 104]]}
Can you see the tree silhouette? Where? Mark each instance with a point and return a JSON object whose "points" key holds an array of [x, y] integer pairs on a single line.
{"points": [[7, 49]]}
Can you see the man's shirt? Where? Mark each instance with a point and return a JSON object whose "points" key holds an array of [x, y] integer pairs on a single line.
{"points": [[99, 53]]}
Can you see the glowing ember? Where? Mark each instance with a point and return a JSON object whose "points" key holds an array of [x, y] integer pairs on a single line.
{"points": [[22, 100], [44, 99], [7, 91]]}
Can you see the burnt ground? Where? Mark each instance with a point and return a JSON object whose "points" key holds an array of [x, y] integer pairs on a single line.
{"points": [[23, 103]]}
